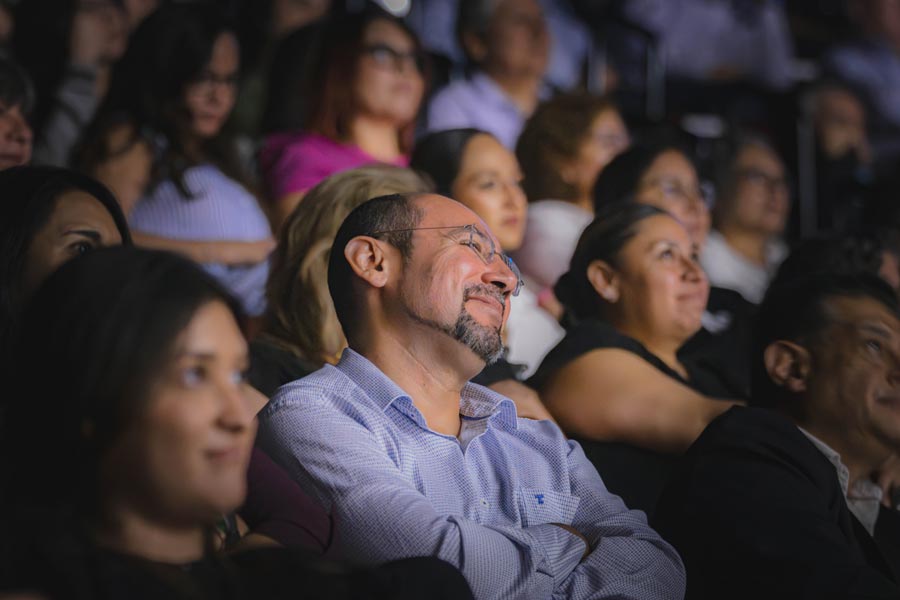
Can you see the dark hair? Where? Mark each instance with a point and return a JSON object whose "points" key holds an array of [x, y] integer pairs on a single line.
{"points": [[40, 42], [797, 311], [332, 102], [384, 213], [439, 155], [15, 87], [167, 52], [289, 76], [619, 180], [93, 340], [553, 136], [602, 240], [473, 16], [849, 255], [29, 198]]}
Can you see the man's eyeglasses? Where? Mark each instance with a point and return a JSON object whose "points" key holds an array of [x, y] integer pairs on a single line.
{"points": [[474, 239], [386, 56]]}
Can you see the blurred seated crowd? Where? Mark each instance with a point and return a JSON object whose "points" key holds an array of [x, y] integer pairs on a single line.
{"points": [[453, 299]]}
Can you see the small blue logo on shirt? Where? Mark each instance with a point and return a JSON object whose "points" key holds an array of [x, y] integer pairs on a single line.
{"points": [[540, 498]]}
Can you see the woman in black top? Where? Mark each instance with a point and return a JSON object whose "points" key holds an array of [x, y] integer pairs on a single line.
{"points": [[634, 295]]}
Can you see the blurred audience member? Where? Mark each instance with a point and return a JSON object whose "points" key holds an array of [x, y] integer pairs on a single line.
{"points": [[720, 41], [570, 37], [563, 148], [418, 461], [68, 47], [365, 91], [635, 294], [149, 445], [262, 27], [172, 93], [664, 176], [779, 500], [16, 104], [855, 254], [48, 216], [843, 157], [508, 45], [301, 331], [475, 169], [750, 214], [871, 65]]}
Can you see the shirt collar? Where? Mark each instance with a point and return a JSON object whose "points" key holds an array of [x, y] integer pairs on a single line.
{"points": [[476, 402], [864, 499]]}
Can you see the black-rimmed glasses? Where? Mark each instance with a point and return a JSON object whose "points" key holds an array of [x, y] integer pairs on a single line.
{"points": [[473, 238]]}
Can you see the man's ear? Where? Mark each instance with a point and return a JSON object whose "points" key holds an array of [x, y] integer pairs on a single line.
{"points": [[368, 259], [474, 46], [788, 365], [604, 280]]}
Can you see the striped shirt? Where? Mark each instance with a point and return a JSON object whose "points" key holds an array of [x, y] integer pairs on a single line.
{"points": [[485, 501], [220, 210]]}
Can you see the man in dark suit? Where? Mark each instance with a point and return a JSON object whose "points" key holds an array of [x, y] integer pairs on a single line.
{"points": [[779, 500]]}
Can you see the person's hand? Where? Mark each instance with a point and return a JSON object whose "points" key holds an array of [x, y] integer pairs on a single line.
{"points": [[575, 532], [243, 253], [528, 403]]}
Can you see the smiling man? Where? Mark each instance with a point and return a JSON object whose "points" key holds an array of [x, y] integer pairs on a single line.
{"points": [[779, 500], [413, 460]]}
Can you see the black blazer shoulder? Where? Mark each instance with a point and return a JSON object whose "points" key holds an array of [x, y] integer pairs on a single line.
{"points": [[757, 511]]}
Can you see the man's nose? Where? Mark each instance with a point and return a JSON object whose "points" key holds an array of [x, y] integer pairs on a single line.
{"points": [[501, 275]]}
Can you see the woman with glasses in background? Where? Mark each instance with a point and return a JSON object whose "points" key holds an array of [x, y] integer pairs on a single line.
{"points": [[751, 212], [664, 176], [365, 88]]}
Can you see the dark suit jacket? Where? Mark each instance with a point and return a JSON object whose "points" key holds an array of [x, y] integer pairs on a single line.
{"points": [[756, 511]]}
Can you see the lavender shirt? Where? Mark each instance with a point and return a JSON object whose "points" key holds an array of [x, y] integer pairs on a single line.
{"points": [[480, 103], [220, 209], [294, 162]]}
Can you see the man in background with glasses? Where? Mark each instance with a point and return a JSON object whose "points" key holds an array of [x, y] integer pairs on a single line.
{"points": [[413, 460]]}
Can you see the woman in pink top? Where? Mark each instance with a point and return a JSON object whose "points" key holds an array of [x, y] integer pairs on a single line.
{"points": [[366, 91]]}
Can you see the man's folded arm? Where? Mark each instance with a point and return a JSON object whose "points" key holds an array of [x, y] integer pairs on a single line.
{"points": [[628, 558]]}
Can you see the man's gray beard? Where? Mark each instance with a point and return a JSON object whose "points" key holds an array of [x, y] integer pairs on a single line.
{"points": [[485, 342]]}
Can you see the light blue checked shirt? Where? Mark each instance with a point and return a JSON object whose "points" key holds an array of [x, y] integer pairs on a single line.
{"points": [[483, 502]]}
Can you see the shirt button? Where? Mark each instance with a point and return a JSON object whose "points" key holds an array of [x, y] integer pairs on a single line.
{"points": [[485, 503]]}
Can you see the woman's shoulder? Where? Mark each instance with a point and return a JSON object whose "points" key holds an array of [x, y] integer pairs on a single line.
{"points": [[583, 338]]}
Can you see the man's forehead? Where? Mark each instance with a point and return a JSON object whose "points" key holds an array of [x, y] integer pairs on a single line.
{"points": [[859, 311], [440, 211]]}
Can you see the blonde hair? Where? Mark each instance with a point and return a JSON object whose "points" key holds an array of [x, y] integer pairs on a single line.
{"points": [[301, 316]]}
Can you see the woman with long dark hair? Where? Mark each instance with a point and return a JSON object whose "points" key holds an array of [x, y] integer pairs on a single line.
{"points": [[173, 91], [48, 215], [151, 427]]}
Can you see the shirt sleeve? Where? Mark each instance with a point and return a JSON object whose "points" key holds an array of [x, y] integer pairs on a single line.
{"points": [[381, 516], [629, 560], [75, 103]]}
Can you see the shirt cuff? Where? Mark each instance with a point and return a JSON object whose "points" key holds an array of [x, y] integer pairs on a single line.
{"points": [[562, 550]]}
